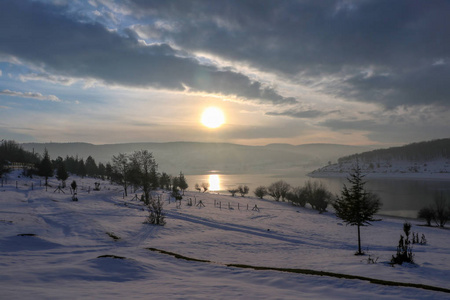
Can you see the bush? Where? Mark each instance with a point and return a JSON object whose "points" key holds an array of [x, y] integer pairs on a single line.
{"points": [[243, 190], [441, 212], [233, 191], [260, 192], [317, 196], [427, 214], [278, 190], [298, 196], [156, 214]]}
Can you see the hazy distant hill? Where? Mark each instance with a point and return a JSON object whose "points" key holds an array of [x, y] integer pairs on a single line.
{"points": [[198, 158], [426, 158]]}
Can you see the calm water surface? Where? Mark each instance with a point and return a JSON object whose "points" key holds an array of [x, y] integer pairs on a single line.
{"points": [[400, 197]]}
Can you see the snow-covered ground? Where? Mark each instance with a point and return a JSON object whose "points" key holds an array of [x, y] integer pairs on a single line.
{"points": [[54, 248], [437, 169]]}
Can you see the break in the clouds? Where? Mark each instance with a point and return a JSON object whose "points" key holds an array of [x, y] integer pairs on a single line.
{"points": [[387, 52], [32, 95], [53, 39]]}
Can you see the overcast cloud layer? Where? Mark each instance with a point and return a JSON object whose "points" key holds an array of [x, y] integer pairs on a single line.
{"points": [[388, 52], [378, 67]]}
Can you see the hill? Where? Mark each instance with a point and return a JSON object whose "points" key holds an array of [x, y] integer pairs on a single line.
{"points": [[200, 158], [100, 247], [424, 159]]}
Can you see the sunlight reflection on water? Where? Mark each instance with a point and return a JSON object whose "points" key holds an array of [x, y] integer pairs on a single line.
{"points": [[214, 182]]}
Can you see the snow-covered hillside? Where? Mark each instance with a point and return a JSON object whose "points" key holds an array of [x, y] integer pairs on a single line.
{"points": [[438, 168], [54, 248]]}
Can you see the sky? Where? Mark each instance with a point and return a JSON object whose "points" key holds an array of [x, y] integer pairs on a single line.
{"points": [[104, 71]]}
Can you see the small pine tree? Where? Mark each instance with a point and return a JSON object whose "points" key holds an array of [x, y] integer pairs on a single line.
{"points": [[45, 167], [61, 174], [404, 249], [356, 206]]}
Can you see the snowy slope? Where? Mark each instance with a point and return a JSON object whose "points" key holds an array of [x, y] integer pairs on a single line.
{"points": [[53, 248]]}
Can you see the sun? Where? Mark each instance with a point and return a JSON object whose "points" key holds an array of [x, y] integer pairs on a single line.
{"points": [[213, 117]]}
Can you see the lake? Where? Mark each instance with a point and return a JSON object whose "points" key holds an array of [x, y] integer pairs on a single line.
{"points": [[400, 197]]}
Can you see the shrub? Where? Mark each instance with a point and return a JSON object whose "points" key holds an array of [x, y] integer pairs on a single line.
{"points": [[260, 192], [243, 190], [298, 196], [156, 214], [233, 191], [278, 190], [317, 195], [441, 212], [427, 214]]}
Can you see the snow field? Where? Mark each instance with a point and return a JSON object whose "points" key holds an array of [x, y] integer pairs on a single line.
{"points": [[65, 257]]}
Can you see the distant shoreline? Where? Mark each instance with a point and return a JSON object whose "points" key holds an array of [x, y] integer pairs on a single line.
{"points": [[421, 176]]}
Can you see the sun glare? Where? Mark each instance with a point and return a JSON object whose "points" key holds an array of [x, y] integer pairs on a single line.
{"points": [[213, 117]]}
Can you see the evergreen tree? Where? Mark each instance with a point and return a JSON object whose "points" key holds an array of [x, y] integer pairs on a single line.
{"points": [[81, 168], [165, 181], [356, 206], [91, 167], [61, 174], [45, 167], [182, 183]]}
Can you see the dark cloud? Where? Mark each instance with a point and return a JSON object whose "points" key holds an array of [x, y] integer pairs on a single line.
{"points": [[378, 51], [304, 114], [51, 38]]}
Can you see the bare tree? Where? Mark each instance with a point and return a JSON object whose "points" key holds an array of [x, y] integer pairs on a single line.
{"points": [[156, 213], [205, 186], [243, 190], [317, 195], [233, 191], [120, 169], [260, 191], [143, 167], [441, 212], [298, 196], [279, 190]]}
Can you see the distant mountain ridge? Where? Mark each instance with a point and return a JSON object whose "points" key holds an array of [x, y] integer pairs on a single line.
{"points": [[200, 158], [414, 160]]}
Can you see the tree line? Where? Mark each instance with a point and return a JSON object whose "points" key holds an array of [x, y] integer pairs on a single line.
{"points": [[421, 151]]}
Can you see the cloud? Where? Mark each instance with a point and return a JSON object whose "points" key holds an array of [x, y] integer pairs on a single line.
{"points": [[300, 114], [51, 38], [47, 77], [403, 45], [32, 95]]}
